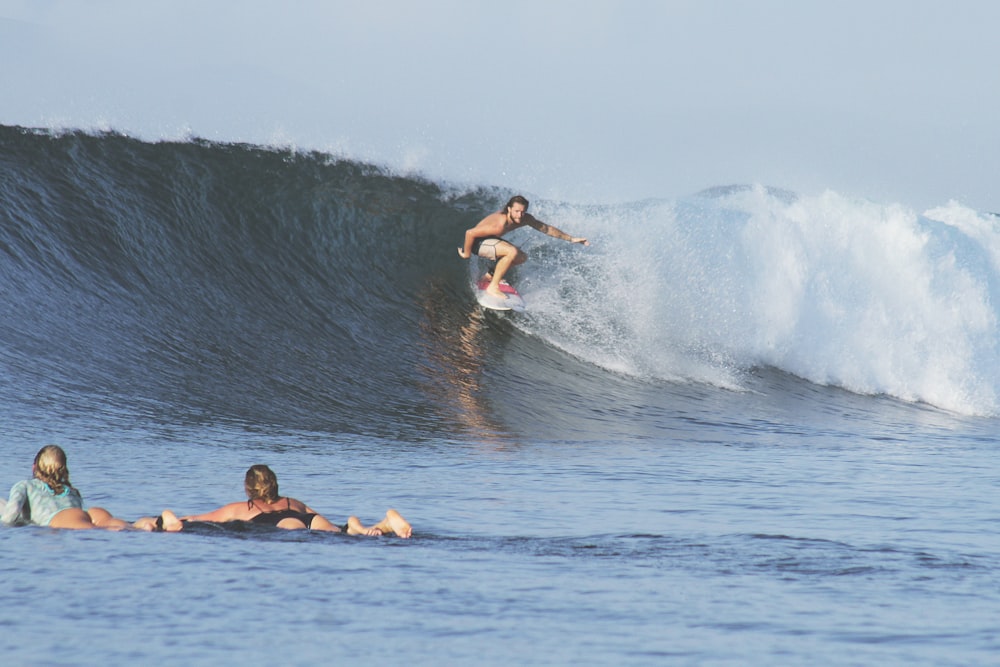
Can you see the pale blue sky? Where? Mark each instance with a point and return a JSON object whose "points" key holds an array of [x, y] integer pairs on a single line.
{"points": [[891, 100]]}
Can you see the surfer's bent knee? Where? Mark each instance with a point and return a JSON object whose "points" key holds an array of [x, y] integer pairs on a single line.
{"points": [[510, 250]]}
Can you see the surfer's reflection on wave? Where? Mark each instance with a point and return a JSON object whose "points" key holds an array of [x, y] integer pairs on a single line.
{"points": [[454, 363]]}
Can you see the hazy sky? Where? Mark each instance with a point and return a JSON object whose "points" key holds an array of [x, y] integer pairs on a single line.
{"points": [[891, 100]]}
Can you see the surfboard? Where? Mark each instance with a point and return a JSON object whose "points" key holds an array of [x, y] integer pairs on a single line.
{"points": [[512, 302]]}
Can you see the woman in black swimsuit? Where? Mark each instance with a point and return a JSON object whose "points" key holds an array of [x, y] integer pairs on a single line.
{"points": [[266, 507]]}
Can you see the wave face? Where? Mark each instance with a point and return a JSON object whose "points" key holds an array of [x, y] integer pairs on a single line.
{"points": [[223, 281], [215, 282]]}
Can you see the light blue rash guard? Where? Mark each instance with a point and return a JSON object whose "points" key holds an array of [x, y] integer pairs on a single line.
{"points": [[33, 501]]}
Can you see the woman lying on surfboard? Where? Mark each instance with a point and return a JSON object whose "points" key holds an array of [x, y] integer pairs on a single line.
{"points": [[266, 507], [48, 499], [484, 239]]}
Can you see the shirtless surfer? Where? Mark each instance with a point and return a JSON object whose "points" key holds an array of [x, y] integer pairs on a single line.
{"points": [[484, 239]]}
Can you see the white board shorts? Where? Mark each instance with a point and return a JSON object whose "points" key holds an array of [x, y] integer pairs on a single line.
{"points": [[487, 247]]}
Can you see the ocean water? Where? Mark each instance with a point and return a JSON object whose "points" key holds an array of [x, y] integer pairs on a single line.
{"points": [[747, 426]]}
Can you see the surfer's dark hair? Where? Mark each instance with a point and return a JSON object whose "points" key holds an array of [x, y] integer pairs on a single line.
{"points": [[516, 199]]}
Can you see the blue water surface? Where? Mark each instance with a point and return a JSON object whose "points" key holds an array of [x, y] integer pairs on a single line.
{"points": [[776, 542]]}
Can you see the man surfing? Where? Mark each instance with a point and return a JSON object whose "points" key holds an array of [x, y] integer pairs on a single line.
{"points": [[484, 239]]}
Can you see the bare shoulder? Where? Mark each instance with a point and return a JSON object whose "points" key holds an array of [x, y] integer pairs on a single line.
{"points": [[298, 505], [491, 225], [493, 219]]}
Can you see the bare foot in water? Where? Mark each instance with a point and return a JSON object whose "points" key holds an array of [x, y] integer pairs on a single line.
{"points": [[166, 522], [398, 524], [171, 523], [355, 527], [393, 523]]}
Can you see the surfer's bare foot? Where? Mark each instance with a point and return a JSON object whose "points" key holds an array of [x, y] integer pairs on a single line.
{"points": [[167, 521], [171, 523], [355, 527], [495, 291], [392, 524], [398, 524]]}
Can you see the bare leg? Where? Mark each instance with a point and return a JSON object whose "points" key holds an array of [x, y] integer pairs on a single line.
{"points": [[502, 266], [320, 522], [507, 255]]}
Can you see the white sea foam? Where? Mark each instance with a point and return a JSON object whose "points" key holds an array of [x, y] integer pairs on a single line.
{"points": [[873, 298]]}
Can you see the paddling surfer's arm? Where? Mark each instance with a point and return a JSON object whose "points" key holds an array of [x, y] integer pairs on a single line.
{"points": [[230, 512], [554, 232]]}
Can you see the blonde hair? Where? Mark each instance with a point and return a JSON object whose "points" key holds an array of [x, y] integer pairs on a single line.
{"points": [[50, 467], [261, 482]]}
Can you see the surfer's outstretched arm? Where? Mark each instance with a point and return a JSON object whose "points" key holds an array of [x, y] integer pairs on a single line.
{"points": [[552, 231]]}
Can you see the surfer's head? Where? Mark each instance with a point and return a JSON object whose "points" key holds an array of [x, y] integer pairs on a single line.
{"points": [[515, 207], [50, 467], [261, 482], [516, 199]]}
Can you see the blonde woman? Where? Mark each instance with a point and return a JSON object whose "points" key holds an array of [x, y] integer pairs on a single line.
{"points": [[265, 506], [48, 499]]}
